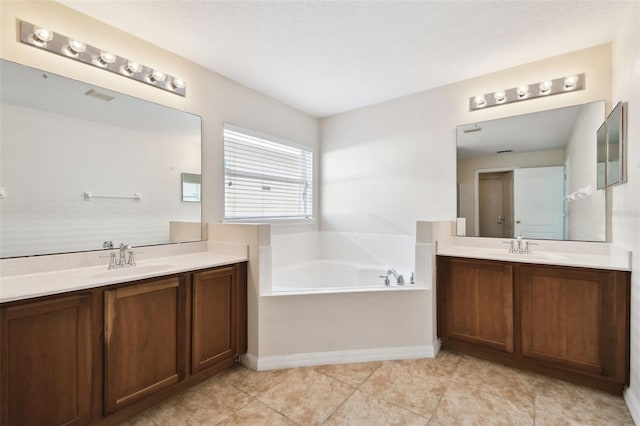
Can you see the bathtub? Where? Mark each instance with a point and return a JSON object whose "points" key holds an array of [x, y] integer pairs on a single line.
{"points": [[325, 276]]}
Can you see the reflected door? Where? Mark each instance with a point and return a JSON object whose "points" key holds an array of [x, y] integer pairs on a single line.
{"points": [[492, 204], [538, 202]]}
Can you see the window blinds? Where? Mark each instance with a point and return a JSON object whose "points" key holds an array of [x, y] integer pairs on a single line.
{"points": [[265, 178]]}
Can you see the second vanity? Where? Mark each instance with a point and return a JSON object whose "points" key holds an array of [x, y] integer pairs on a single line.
{"points": [[561, 310], [102, 345]]}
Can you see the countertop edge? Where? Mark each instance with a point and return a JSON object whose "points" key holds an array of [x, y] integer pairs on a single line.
{"points": [[613, 266], [224, 259]]}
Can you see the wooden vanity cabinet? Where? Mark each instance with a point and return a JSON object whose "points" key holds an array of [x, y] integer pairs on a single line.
{"points": [[215, 319], [566, 322], [107, 354], [479, 298], [46, 362], [144, 333]]}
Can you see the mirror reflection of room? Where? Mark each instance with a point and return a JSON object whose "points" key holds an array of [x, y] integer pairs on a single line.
{"points": [[533, 175]]}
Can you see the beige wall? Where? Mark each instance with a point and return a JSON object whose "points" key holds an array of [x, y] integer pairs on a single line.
{"points": [[213, 97]]}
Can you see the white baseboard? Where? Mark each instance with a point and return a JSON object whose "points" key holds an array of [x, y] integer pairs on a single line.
{"points": [[631, 399], [338, 357]]}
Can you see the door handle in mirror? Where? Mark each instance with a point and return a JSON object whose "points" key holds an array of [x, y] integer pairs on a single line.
{"points": [[500, 220]]}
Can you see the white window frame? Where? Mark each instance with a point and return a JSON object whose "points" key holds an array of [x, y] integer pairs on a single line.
{"points": [[307, 170]]}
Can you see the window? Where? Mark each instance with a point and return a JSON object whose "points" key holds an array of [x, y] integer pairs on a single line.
{"points": [[191, 187], [265, 177]]}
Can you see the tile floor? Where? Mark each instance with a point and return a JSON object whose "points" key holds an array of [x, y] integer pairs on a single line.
{"points": [[451, 389]]}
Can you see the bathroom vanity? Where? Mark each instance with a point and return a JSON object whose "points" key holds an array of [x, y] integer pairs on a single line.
{"points": [[562, 320], [102, 354]]}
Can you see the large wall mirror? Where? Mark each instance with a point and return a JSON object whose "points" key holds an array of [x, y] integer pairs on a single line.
{"points": [[533, 175], [81, 165]]}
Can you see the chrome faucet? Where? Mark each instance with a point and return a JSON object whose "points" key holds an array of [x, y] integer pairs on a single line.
{"points": [[519, 245], [127, 257], [398, 277]]}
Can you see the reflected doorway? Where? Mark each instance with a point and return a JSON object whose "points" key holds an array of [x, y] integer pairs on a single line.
{"points": [[527, 202], [495, 204]]}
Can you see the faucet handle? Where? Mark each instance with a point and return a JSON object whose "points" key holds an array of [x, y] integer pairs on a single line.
{"points": [[112, 260], [132, 259], [512, 245], [386, 279]]}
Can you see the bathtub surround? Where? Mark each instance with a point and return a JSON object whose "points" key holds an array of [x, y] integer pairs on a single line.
{"points": [[302, 328]]}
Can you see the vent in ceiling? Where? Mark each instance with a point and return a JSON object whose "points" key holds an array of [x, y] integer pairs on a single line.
{"points": [[102, 96]]}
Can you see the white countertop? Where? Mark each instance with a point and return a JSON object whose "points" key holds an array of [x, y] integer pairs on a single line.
{"points": [[564, 253], [25, 286]]}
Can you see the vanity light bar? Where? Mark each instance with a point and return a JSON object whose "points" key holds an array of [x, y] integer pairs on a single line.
{"points": [[571, 83], [60, 44]]}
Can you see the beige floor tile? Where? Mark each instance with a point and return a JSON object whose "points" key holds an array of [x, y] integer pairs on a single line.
{"points": [[208, 403], [365, 409], [306, 396], [257, 414], [250, 381], [443, 365], [508, 383], [406, 388], [579, 404], [352, 374], [139, 420], [461, 405]]}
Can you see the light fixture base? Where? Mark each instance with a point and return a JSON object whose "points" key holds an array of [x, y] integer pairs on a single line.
{"points": [[572, 83], [59, 44]]}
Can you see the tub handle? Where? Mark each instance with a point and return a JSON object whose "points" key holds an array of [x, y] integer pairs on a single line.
{"points": [[386, 279]]}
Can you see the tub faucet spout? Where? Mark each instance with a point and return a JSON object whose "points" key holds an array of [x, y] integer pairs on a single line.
{"points": [[398, 277]]}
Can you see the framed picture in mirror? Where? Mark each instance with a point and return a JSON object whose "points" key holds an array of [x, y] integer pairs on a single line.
{"points": [[615, 169], [601, 146]]}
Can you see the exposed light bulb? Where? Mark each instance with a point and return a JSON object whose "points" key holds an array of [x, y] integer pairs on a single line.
{"points": [[132, 68], [42, 35], [480, 101], [545, 87], [522, 91], [75, 47], [570, 82], [500, 97], [178, 83], [156, 76], [106, 58]]}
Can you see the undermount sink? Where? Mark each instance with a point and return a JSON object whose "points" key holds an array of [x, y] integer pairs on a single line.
{"points": [[132, 271]]}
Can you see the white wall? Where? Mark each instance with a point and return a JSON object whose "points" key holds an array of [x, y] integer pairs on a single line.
{"points": [[388, 165], [215, 98], [626, 197], [586, 219], [44, 210]]}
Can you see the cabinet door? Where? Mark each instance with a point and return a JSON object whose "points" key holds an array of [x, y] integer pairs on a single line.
{"points": [[144, 340], [564, 315], [46, 362], [478, 302], [215, 317]]}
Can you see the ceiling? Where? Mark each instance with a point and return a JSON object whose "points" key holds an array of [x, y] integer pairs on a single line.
{"points": [[538, 131], [35, 89], [327, 57]]}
